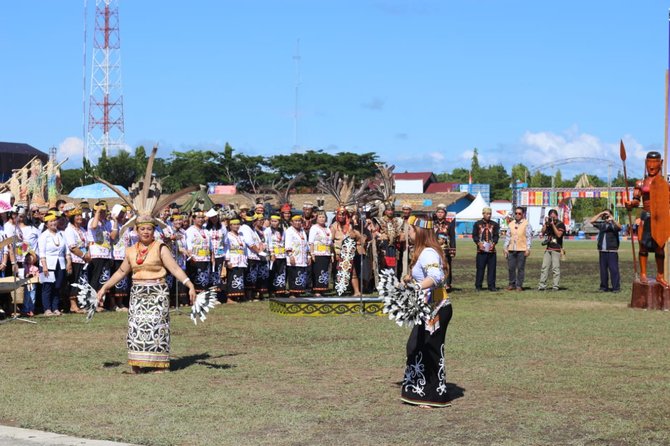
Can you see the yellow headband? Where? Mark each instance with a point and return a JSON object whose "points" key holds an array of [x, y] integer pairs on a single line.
{"points": [[73, 212], [51, 216], [100, 205], [234, 221], [145, 220]]}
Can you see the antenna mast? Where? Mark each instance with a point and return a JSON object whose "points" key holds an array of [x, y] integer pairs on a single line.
{"points": [[297, 88], [105, 108]]}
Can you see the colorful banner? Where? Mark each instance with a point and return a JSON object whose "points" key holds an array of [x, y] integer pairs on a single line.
{"points": [[547, 197]]}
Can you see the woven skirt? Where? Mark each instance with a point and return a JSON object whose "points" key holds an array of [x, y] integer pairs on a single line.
{"points": [[149, 326]]}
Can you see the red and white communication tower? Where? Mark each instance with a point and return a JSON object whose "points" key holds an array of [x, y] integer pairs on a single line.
{"points": [[105, 105]]}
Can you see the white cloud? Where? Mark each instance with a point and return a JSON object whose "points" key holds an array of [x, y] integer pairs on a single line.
{"points": [[541, 148], [436, 157], [71, 147]]}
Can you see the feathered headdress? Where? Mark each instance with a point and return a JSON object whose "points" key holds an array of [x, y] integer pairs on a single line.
{"points": [[145, 196], [386, 185], [255, 200], [281, 189], [345, 192]]}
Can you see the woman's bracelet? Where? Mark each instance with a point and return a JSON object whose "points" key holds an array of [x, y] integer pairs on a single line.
{"points": [[188, 279]]}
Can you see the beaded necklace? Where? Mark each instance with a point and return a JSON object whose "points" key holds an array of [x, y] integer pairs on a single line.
{"points": [[141, 255]]}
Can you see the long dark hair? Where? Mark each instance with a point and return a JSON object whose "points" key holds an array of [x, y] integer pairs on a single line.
{"points": [[426, 238]]}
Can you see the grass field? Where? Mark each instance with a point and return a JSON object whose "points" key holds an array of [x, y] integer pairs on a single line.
{"points": [[574, 367]]}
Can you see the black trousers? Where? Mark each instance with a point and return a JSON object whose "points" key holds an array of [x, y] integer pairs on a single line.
{"points": [[486, 260], [609, 263], [450, 275]]}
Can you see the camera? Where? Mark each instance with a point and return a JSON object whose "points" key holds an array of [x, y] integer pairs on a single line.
{"points": [[546, 241]]}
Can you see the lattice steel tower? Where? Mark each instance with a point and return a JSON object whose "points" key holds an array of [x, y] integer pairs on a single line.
{"points": [[105, 105]]}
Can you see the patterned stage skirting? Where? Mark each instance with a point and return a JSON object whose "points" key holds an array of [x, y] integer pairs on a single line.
{"points": [[326, 306]]}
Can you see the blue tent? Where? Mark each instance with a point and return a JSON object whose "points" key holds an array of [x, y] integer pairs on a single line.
{"points": [[95, 191]]}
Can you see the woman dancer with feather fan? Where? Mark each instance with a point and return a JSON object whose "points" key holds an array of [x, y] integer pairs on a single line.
{"points": [[425, 382], [149, 260]]}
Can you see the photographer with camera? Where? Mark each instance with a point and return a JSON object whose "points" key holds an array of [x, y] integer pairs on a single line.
{"points": [[553, 230], [608, 247]]}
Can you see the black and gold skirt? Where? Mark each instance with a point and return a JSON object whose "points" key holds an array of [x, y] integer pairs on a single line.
{"points": [[149, 325]]}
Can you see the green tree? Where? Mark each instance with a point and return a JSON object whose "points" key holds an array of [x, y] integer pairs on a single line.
{"points": [[584, 208], [558, 178], [191, 168], [120, 169], [315, 164], [498, 180], [618, 181], [458, 175], [520, 172], [475, 169], [538, 179], [71, 178]]}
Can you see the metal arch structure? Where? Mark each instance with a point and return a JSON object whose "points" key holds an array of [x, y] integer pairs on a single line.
{"points": [[577, 159]]}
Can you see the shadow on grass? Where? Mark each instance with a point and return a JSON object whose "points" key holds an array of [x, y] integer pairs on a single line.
{"points": [[200, 359], [110, 364]]}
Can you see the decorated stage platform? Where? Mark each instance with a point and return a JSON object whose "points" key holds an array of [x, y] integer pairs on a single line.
{"points": [[326, 306]]}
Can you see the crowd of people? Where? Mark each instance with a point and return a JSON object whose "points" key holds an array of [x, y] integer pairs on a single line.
{"points": [[517, 242], [244, 253], [252, 253]]}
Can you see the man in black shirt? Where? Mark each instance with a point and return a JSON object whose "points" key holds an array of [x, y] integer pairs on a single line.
{"points": [[485, 234], [608, 249], [553, 230]]}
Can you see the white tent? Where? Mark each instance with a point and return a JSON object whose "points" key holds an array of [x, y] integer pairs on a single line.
{"points": [[474, 211], [466, 219]]}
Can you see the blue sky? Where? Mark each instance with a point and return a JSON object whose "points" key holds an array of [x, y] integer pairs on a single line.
{"points": [[421, 83]]}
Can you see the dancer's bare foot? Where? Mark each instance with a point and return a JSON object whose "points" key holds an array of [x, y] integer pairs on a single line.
{"points": [[643, 278], [660, 279]]}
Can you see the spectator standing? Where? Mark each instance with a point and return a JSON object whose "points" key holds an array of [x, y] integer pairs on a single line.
{"points": [[75, 237], [297, 257], [236, 262], [101, 233], [55, 261], [274, 237], [485, 234], [517, 248], [445, 229], [608, 250], [199, 247], [30, 289], [553, 230], [217, 234], [121, 291]]}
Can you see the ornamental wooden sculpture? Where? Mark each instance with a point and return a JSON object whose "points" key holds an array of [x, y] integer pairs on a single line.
{"points": [[654, 193]]}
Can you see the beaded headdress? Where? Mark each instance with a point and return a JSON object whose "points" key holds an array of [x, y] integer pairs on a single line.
{"points": [[420, 222]]}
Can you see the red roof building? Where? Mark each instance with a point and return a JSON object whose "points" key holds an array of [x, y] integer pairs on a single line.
{"points": [[413, 182]]}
